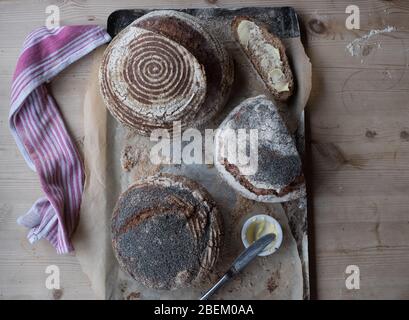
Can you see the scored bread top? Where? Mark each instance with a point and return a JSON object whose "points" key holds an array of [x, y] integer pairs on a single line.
{"points": [[148, 81], [166, 231], [267, 54], [188, 31]]}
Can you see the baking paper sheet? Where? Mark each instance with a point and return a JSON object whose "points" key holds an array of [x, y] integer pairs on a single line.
{"points": [[115, 157]]}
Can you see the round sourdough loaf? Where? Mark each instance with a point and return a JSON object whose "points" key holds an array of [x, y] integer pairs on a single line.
{"points": [[275, 175], [188, 31], [166, 232], [148, 81], [165, 67]]}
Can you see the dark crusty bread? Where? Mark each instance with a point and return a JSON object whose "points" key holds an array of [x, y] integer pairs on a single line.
{"points": [[166, 232], [258, 40], [187, 30], [279, 175]]}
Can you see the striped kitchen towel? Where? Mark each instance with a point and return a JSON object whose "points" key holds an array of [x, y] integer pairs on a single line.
{"points": [[40, 132]]}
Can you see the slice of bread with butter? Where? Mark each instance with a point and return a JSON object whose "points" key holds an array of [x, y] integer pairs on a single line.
{"points": [[267, 54]]}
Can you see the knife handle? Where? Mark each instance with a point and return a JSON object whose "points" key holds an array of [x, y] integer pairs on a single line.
{"points": [[251, 252], [242, 260]]}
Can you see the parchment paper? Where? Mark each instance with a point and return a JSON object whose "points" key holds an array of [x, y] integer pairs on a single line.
{"points": [[116, 156]]}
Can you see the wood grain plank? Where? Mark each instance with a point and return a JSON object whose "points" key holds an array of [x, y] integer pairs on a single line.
{"points": [[360, 145]]}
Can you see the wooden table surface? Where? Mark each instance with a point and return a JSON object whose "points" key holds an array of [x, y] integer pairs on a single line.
{"points": [[359, 128]]}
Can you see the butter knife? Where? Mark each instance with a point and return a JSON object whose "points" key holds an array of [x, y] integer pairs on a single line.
{"points": [[241, 262]]}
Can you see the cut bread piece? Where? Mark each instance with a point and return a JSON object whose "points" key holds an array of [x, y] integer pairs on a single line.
{"points": [[273, 172], [267, 54]]}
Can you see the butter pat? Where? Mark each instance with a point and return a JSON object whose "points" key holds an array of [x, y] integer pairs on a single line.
{"points": [[252, 39], [277, 76], [243, 31], [260, 228]]}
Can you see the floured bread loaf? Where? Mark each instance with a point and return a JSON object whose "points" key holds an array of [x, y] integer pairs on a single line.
{"points": [[208, 50], [166, 232], [148, 81], [277, 174], [267, 54]]}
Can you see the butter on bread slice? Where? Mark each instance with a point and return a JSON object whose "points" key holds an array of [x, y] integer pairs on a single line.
{"points": [[267, 54]]}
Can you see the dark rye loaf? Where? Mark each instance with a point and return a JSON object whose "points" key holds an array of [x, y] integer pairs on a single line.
{"points": [[279, 175], [166, 232], [258, 40]]}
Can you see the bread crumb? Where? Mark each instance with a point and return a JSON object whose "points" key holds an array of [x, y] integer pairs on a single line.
{"points": [[57, 294], [272, 282], [133, 296], [129, 158]]}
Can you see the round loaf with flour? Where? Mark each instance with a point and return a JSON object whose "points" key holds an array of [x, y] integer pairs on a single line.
{"points": [[274, 170], [166, 232], [162, 68], [188, 31], [148, 81]]}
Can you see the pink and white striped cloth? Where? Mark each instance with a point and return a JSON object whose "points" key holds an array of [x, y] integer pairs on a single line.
{"points": [[41, 135]]}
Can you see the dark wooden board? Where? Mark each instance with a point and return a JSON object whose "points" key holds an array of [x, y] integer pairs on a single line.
{"points": [[282, 20]]}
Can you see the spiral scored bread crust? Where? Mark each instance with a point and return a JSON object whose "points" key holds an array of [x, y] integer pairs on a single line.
{"points": [[148, 81], [187, 30], [166, 232]]}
